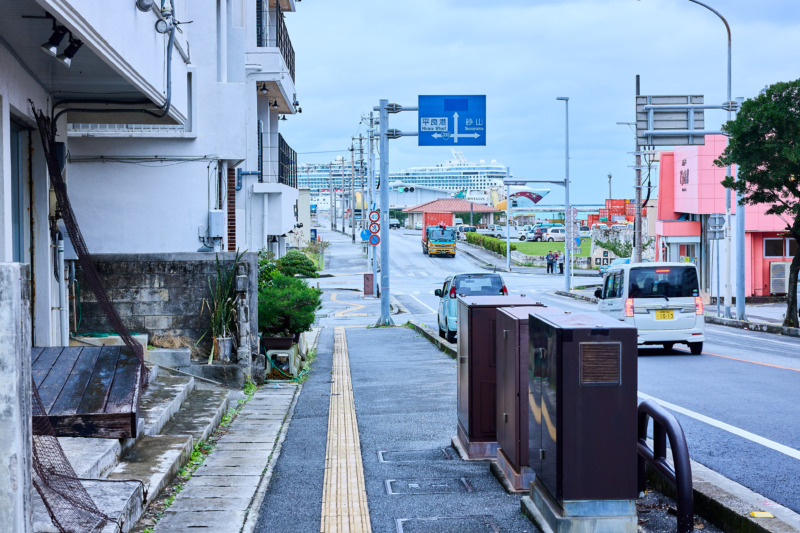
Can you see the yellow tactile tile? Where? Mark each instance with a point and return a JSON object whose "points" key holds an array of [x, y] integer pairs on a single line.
{"points": [[344, 496]]}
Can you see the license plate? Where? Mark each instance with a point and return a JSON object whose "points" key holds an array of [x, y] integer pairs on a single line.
{"points": [[665, 315]]}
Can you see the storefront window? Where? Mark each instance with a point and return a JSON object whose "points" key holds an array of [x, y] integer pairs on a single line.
{"points": [[773, 247]]}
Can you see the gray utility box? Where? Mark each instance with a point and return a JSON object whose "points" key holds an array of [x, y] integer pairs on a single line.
{"points": [[582, 376], [477, 373], [513, 460]]}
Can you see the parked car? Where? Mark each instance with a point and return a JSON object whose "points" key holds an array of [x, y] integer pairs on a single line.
{"points": [[458, 221], [662, 300], [584, 232], [614, 262], [418, 225], [394, 223], [468, 285], [555, 234], [538, 231], [461, 231]]}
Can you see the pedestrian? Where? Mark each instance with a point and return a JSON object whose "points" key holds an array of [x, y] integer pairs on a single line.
{"points": [[560, 264], [550, 258]]}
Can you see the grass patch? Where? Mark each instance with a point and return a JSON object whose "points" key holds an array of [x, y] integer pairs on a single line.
{"points": [[541, 248]]}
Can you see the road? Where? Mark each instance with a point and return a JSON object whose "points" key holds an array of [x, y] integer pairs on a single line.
{"points": [[737, 402]]}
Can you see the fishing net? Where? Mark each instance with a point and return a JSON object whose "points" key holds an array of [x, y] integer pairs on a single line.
{"points": [[69, 504]]}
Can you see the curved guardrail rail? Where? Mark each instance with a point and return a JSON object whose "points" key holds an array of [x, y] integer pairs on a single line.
{"points": [[666, 426]]}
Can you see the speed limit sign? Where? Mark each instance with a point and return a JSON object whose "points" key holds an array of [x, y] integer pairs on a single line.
{"points": [[374, 216]]}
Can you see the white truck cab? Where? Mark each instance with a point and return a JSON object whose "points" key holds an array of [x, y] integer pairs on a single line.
{"points": [[662, 300]]}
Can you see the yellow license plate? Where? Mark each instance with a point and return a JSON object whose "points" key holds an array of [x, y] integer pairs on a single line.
{"points": [[665, 315]]}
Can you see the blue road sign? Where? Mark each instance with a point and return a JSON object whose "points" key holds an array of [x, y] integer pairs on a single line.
{"points": [[365, 234], [374, 240], [452, 120], [313, 234]]}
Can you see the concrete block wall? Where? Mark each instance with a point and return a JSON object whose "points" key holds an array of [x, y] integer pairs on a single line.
{"points": [[16, 510], [163, 294]]}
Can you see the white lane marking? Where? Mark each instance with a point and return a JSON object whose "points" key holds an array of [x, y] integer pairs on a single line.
{"points": [[778, 447], [423, 303], [761, 339]]}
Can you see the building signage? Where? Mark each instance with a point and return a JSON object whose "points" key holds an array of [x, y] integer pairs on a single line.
{"points": [[452, 120]]}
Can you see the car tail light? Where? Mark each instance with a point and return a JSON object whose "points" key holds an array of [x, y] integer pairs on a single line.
{"points": [[629, 307], [453, 291], [504, 291], [698, 305]]}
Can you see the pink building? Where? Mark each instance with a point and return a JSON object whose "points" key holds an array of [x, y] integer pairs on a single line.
{"points": [[688, 191]]}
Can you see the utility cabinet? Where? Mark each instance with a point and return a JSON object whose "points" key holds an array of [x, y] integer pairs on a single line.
{"points": [[512, 395], [582, 372], [477, 373]]}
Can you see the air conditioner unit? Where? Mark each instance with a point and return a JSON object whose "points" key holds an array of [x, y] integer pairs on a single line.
{"points": [[779, 277]]}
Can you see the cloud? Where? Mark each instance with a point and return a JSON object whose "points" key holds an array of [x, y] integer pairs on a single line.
{"points": [[522, 54]]}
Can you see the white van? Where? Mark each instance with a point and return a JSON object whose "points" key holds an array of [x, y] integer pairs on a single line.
{"points": [[661, 299]]}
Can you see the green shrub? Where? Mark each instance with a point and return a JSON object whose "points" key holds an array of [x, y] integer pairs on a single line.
{"points": [[266, 267], [296, 262], [497, 246], [286, 305]]}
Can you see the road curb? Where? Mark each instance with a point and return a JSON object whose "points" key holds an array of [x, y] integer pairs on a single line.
{"points": [[463, 249], [729, 322], [440, 343], [754, 326]]}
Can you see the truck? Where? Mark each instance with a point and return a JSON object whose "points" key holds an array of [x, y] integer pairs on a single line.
{"points": [[438, 234]]}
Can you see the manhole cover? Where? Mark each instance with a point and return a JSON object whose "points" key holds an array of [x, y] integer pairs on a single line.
{"points": [[427, 486], [411, 456], [443, 524]]}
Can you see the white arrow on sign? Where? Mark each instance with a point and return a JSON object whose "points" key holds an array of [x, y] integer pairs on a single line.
{"points": [[455, 135]]}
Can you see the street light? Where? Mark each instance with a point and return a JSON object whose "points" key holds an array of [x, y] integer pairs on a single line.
{"points": [[567, 217], [729, 106]]}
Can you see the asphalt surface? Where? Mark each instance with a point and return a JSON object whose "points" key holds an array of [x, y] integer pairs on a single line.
{"points": [[404, 391]]}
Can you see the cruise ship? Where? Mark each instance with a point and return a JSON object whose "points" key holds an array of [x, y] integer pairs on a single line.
{"points": [[479, 182]]}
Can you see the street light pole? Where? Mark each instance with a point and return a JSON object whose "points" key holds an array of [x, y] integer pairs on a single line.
{"points": [[729, 105], [567, 207]]}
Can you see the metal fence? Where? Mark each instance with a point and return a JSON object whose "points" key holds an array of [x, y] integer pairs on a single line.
{"points": [[287, 163]]}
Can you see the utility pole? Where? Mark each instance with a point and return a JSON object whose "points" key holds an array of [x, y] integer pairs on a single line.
{"points": [[372, 248], [352, 191], [344, 208], [637, 190], [332, 211], [361, 173], [609, 185]]}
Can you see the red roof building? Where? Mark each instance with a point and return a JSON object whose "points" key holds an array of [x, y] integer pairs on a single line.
{"points": [[451, 205]]}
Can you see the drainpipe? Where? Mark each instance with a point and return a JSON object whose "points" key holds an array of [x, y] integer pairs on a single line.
{"points": [[62, 294], [266, 225]]}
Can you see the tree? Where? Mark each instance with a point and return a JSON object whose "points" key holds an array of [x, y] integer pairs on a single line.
{"points": [[765, 144]]}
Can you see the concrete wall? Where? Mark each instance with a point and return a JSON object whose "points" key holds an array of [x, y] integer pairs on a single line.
{"points": [[16, 513], [163, 293]]}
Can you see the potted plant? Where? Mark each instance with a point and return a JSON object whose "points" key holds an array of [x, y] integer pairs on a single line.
{"points": [[286, 308], [222, 304]]}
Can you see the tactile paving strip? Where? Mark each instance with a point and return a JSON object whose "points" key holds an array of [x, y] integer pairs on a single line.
{"points": [[344, 497]]}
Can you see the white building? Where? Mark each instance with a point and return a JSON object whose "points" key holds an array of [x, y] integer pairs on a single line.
{"points": [[167, 133]]}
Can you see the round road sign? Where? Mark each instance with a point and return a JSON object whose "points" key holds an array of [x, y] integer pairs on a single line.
{"points": [[374, 240], [374, 216], [364, 234], [374, 227]]}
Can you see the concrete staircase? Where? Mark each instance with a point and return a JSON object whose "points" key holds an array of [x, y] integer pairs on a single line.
{"points": [[176, 411]]}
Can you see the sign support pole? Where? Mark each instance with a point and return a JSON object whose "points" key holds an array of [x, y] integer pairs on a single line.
{"points": [[386, 318], [371, 203]]}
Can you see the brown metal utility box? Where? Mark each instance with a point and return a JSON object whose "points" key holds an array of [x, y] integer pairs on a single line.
{"points": [[512, 395], [582, 372], [368, 280], [477, 372]]}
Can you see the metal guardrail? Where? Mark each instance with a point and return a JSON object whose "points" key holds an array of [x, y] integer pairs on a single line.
{"points": [[666, 426]]}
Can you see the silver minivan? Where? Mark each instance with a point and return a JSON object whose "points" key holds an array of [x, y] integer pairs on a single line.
{"points": [[463, 285], [662, 300]]}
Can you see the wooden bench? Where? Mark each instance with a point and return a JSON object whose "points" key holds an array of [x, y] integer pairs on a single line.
{"points": [[89, 391]]}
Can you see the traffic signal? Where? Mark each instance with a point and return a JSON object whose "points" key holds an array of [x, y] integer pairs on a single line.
{"points": [[405, 189]]}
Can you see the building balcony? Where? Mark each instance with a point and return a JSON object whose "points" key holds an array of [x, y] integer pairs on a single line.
{"points": [[108, 56]]}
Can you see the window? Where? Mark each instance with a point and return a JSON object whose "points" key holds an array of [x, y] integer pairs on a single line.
{"points": [[792, 247], [773, 247], [660, 282], [612, 287]]}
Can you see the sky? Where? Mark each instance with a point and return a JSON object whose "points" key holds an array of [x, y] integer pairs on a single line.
{"points": [[522, 54]]}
